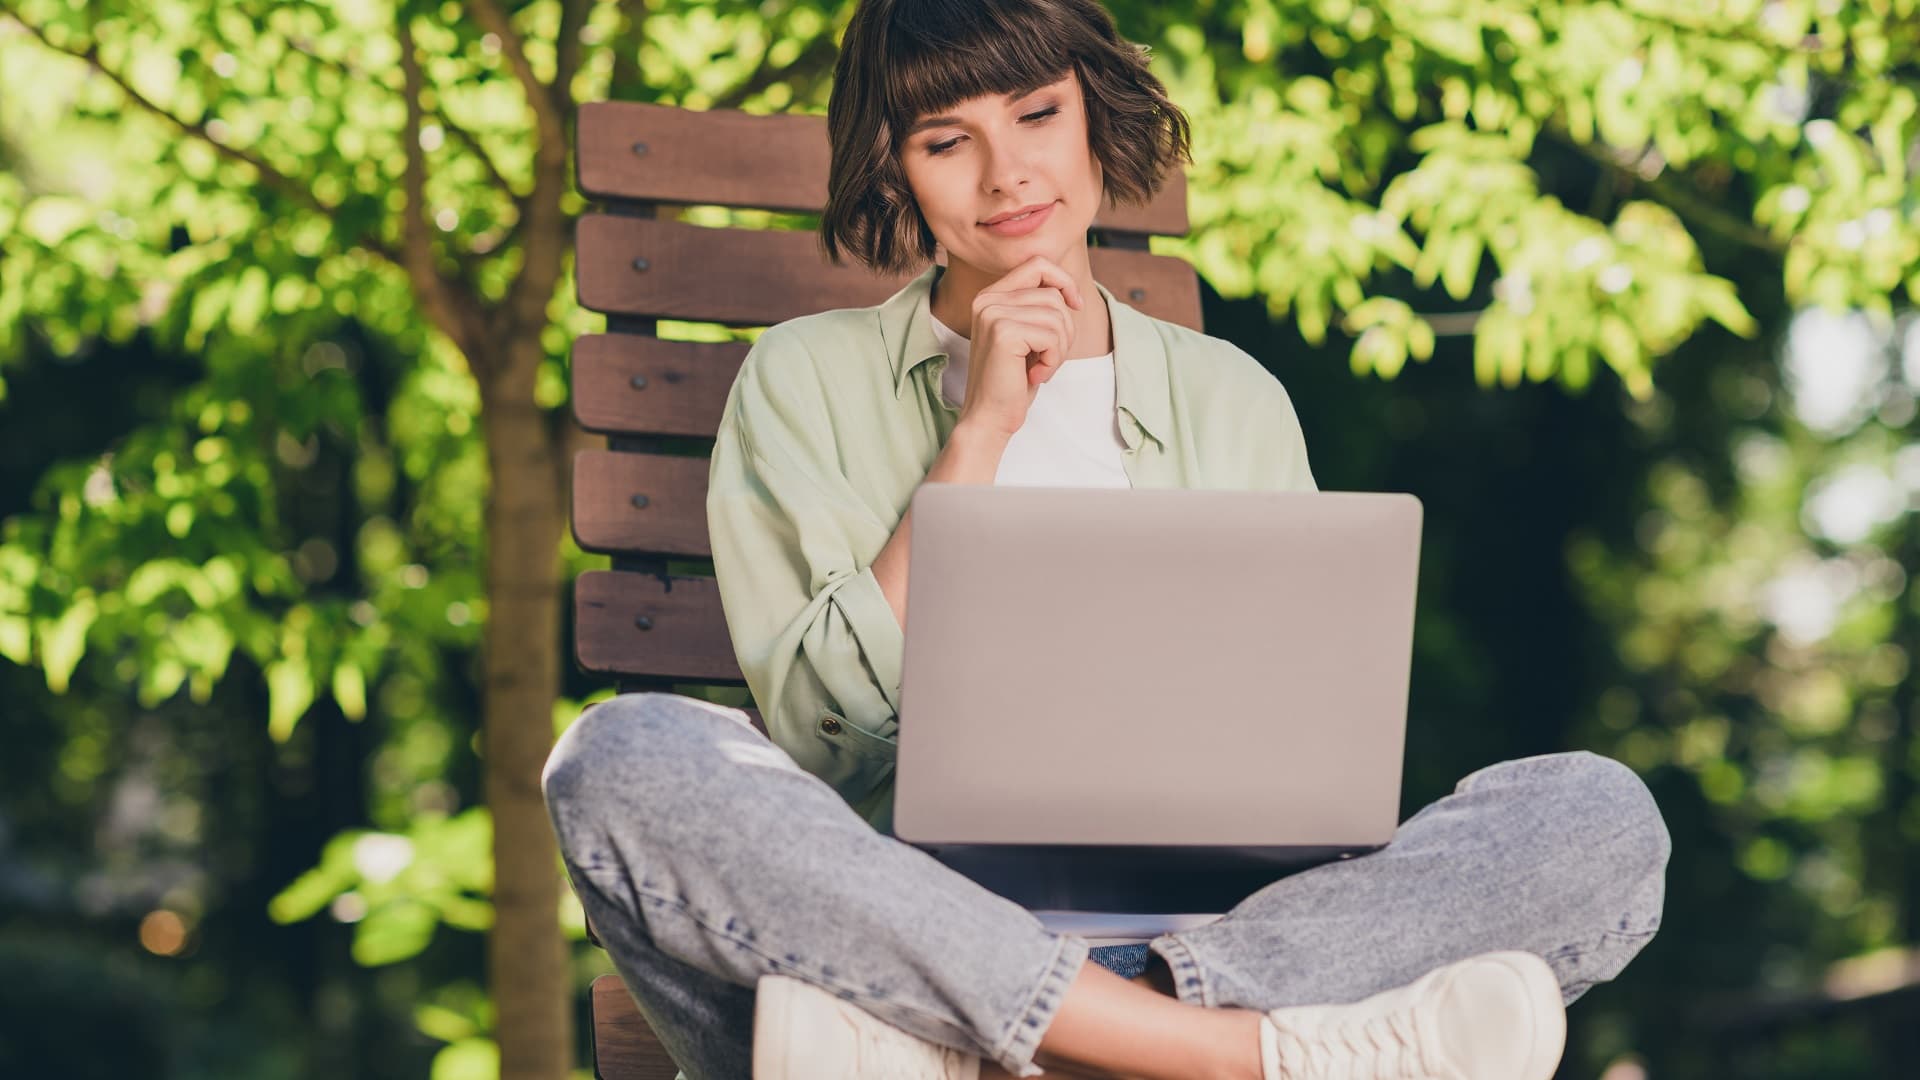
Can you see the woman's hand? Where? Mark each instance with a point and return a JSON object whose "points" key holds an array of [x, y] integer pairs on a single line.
{"points": [[1021, 331]]}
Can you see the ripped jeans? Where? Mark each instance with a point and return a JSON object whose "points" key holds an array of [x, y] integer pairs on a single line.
{"points": [[706, 858]]}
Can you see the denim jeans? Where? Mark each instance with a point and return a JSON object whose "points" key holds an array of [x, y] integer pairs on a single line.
{"points": [[706, 858]]}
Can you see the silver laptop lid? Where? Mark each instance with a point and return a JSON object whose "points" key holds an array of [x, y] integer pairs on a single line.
{"points": [[1155, 666]]}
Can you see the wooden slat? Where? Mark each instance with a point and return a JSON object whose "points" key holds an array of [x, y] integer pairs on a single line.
{"points": [[682, 390], [687, 637], [624, 1045], [759, 277], [673, 521], [780, 162]]}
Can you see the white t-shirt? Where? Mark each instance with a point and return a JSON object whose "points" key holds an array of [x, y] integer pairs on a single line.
{"points": [[1071, 438]]}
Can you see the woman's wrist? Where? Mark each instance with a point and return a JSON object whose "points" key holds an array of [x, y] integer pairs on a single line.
{"points": [[972, 455]]}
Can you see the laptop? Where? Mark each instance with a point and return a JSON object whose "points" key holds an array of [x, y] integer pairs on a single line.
{"points": [[1152, 700]]}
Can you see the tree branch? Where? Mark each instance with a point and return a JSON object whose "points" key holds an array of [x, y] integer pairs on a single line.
{"points": [[567, 52], [626, 70], [439, 299], [275, 179], [545, 241], [465, 136], [815, 60], [545, 113], [1681, 198]]}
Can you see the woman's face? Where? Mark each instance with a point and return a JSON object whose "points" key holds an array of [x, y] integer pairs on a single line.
{"points": [[993, 155]]}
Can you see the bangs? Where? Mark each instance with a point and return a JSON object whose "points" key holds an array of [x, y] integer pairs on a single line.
{"points": [[943, 52]]}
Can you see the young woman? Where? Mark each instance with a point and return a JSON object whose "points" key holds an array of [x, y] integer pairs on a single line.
{"points": [[750, 891]]}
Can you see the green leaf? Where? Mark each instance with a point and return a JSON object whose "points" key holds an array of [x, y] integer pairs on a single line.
{"points": [[316, 888], [1721, 303], [249, 300], [64, 640], [466, 913], [440, 1022], [394, 932], [468, 1059], [289, 694], [160, 680], [16, 638], [1462, 265], [1618, 343], [1420, 339], [350, 690]]}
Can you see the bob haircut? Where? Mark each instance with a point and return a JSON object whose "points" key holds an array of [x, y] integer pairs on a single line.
{"points": [[904, 59]]}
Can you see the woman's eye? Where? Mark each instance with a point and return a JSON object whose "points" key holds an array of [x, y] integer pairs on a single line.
{"points": [[936, 149]]}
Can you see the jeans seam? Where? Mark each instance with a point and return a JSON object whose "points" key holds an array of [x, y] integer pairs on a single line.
{"points": [[749, 944]]}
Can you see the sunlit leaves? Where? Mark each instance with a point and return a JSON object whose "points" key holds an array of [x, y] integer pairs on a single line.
{"points": [[1388, 333], [1678, 103], [398, 888], [62, 638], [470, 1058]]}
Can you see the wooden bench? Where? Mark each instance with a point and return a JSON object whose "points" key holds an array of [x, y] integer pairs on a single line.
{"points": [[653, 621]]}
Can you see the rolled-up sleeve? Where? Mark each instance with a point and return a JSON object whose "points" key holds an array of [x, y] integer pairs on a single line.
{"points": [[793, 545]]}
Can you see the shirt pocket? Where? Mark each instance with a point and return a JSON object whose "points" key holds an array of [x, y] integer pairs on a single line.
{"points": [[836, 730]]}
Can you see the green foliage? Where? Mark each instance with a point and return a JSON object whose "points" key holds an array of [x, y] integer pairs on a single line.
{"points": [[1344, 147], [1769, 660], [399, 887]]}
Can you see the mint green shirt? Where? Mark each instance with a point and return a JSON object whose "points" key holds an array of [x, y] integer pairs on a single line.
{"points": [[835, 419]]}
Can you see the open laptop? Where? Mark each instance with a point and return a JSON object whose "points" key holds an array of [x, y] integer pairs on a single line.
{"points": [[1152, 700]]}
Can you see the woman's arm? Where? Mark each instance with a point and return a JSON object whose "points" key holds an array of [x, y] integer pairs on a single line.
{"points": [[972, 456]]}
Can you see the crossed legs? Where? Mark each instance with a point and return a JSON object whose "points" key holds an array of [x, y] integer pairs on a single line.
{"points": [[706, 859]]}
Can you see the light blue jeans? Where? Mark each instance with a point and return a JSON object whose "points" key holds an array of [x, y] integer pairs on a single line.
{"points": [[706, 858]]}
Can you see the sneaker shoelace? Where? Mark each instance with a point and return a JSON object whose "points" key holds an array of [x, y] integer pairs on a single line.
{"points": [[1384, 1046]]}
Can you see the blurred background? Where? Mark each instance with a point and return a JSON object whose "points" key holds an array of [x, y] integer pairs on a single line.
{"points": [[1624, 291]]}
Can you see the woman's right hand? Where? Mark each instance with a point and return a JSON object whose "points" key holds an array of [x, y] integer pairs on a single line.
{"points": [[1021, 332]]}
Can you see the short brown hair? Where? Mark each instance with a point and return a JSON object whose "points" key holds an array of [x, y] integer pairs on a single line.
{"points": [[904, 59]]}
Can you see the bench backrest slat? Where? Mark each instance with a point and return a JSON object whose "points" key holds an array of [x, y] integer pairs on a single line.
{"points": [[758, 277], [725, 157]]}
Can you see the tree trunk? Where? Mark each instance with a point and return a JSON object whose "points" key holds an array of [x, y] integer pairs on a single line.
{"points": [[527, 957]]}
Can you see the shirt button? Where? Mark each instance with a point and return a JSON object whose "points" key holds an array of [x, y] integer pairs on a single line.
{"points": [[830, 725]]}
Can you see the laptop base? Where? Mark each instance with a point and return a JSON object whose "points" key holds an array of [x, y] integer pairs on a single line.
{"points": [[1143, 879]]}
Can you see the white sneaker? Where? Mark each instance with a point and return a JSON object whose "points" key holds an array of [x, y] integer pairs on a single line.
{"points": [[801, 1032], [1497, 1016]]}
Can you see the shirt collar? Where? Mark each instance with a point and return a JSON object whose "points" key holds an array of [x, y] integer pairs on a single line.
{"points": [[1139, 352]]}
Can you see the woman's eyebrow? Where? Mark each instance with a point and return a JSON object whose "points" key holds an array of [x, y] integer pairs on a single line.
{"points": [[935, 121]]}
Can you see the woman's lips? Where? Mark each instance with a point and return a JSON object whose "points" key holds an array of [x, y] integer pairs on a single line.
{"points": [[1022, 226]]}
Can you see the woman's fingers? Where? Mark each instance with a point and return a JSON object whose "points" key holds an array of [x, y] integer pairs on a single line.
{"points": [[1037, 272]]}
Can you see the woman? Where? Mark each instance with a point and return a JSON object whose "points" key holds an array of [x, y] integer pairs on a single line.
{"points": [[750, 891]]}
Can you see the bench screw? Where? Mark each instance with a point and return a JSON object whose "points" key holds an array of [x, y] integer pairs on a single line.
{"points": [[639, 502], [638, 382], [639, 264], [644, 622]]}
